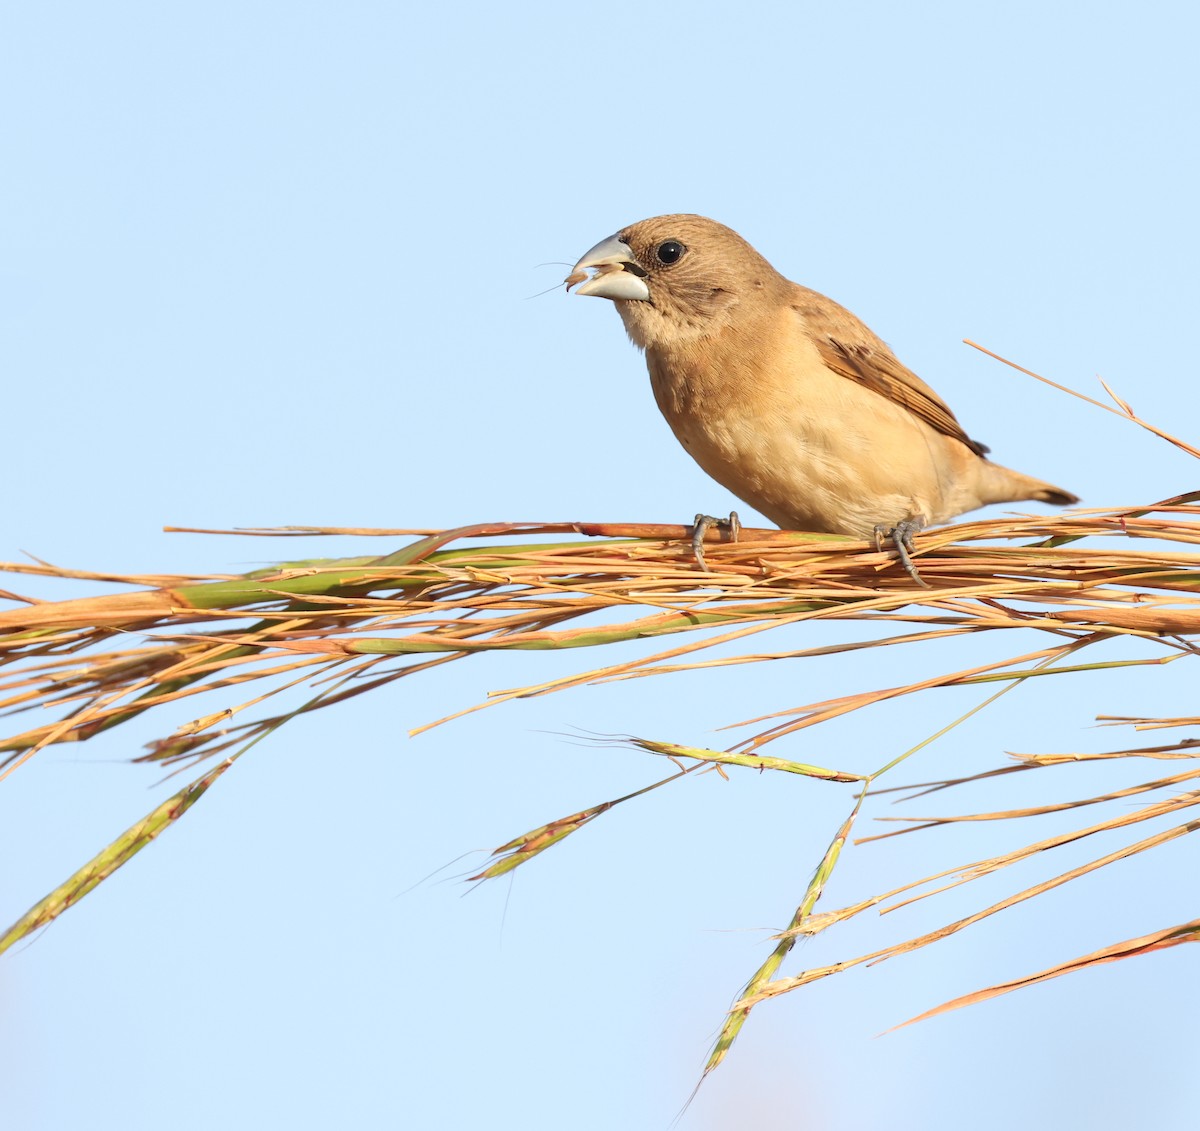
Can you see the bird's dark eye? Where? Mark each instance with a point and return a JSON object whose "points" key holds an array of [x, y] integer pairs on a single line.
{"points": [[669, 251]]}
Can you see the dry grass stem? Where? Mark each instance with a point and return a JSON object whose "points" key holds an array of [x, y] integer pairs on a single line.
{"points": [[1054, 597]]}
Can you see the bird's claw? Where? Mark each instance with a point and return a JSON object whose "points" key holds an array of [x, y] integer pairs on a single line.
{"points": [[901, 537], [703, 524]]}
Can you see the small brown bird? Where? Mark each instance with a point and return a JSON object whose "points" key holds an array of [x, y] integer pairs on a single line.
{"points": [[785, 397]]}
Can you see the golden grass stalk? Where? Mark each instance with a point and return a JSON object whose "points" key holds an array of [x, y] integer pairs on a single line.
{"points": [[1069, 585]]}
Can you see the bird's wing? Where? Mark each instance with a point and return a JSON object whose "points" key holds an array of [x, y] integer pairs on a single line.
{"points": [[848, 348]]}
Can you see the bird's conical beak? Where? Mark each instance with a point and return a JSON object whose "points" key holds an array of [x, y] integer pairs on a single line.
{"points": [[615, 273]]}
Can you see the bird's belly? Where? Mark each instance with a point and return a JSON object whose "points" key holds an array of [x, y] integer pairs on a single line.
{"points": [[812, 470]]}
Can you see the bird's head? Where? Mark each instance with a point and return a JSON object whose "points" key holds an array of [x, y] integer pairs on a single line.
{"points": [[674, 278]]}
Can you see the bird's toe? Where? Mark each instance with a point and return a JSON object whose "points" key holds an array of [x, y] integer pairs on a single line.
{"points": [[703, 524], [901, 537]]}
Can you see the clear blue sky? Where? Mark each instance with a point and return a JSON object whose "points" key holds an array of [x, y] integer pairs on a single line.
{"points": [[266, 264]]}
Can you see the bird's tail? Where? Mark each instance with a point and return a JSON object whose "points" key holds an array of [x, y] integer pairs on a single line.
{"points": [[1003, 485]]}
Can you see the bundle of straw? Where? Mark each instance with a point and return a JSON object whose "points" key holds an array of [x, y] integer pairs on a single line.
{"points": [[348, 626]]}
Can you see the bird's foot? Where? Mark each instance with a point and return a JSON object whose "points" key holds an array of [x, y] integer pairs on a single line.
{"points": [[901, 536], [703, 524]]}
